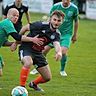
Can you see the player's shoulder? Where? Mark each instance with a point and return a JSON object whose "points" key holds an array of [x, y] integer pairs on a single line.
{"points": [[42, 23], [45, 22], [58, 4], [24, 5], [57, 30], [11, 4], [73, 5]]}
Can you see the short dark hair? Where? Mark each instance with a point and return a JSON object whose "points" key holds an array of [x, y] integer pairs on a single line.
{"points": [[58, 13]]}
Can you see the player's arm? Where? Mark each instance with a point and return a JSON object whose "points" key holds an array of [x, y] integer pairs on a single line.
{"points": [[5, 12], [76, 24], [74, 37], [7, 43], [58, 51], [28, 16], [24, 29], [18, 37]]}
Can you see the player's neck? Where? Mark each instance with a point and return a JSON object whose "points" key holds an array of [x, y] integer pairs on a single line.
{"points": [[52, 28], [18, 5]]}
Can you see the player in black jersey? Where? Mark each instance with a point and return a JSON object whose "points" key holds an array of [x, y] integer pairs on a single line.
{"points": [[22, 8], [31, 53]]}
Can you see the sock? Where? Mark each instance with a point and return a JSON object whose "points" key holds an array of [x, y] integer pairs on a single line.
{"points": [[24, 75], [39, 79], [63, 62]]}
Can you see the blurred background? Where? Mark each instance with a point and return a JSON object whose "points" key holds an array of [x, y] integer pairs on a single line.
{"points": [[87, 8]]}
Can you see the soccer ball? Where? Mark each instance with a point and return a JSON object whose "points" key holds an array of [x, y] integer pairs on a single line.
{"points": [[19, 91]]}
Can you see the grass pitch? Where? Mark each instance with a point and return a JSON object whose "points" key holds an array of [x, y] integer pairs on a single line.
{"points": [[81, 67]]}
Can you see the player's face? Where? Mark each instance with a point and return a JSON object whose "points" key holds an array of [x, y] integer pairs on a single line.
{"points": [[66, 3], [55, 21], [14, 17], [18, 1]]}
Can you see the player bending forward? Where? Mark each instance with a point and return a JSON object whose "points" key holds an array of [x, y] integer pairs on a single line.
{"points": [[31, 53]]}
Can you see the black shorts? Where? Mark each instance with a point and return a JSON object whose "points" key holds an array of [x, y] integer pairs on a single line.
{"points": [[38, 58]]}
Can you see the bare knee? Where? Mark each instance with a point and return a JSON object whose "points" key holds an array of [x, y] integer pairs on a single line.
{"points": [[27, 61], [48, 78]]}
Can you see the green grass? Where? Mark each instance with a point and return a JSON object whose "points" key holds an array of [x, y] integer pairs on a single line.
{"points": [[81, 67]]}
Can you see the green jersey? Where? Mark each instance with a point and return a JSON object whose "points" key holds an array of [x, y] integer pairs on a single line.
{"points": [[71, 13], [6, 27]]}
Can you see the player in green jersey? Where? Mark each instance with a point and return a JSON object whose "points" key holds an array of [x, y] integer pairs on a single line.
{"points": [[66, 29], [67, 34], [7, 28]]}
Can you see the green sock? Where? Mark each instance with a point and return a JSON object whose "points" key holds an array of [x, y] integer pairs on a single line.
{"points": [[63, 62]]}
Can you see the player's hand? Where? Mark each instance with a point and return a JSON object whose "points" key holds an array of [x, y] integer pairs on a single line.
{"points": [[37, 40], [13, 47], [74, 38], [58, 56]]}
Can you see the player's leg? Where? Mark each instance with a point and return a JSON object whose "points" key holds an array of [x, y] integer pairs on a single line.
{"points": [[46, 50], [25, 56], [65, 43], [45, 76], [45, 73], [63, 61], [27, 62]]}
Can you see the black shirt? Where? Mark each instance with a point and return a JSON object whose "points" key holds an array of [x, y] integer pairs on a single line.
{"points": [[22, 9], [43, 30]]}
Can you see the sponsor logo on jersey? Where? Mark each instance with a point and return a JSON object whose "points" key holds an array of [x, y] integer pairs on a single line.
{"points": [[43, 31], [52, 37]]}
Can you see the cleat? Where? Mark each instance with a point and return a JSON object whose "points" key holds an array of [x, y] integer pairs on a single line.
{"points": [[35, 87], [34, 71], [63, 73]]}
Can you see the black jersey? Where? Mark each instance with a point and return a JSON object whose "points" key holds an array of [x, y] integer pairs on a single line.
{"points": [[22, 9], [43, 30]]}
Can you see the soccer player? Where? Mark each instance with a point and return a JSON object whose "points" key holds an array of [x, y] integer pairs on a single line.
{"points": [[22, 8], [66, 30], [7, 28], [31, 53]]}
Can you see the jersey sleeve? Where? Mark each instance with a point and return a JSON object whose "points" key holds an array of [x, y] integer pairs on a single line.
{"points": [[25, 8], [57, 37], [9, 28], [76, 12], [6, 10]]}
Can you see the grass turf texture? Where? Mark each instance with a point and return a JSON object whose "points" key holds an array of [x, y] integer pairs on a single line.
{"points": [[81, 67]]}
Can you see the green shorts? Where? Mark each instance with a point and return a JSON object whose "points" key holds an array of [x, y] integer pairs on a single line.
{"points": [[64, 41], [1, 62]]}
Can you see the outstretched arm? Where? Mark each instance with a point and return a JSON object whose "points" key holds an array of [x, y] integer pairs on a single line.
{"points": [[58, 51]]}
